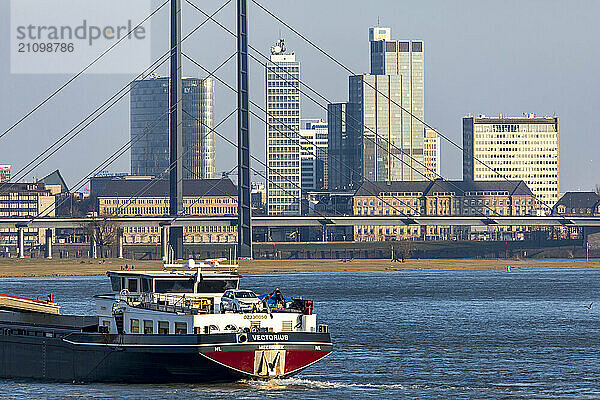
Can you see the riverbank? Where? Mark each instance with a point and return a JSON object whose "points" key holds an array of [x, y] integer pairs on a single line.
{"points": [[78, 267]]}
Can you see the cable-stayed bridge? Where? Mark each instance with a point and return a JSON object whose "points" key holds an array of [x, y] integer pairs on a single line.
{"points": [[311, 221], [179, 217]]}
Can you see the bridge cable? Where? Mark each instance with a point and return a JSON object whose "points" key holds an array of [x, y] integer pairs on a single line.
{"points": [[325, 108], [14, 125], [125, 147], [374, 141], [383, 94], [127, 88]]}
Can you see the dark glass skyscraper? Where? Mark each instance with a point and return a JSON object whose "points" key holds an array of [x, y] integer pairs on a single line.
{"points": [[149, 106]]}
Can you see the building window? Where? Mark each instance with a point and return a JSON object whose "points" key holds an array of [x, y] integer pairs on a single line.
{"points": [[148, 327], [163, 327], [180, 328], [134, 326], [132, 285]]}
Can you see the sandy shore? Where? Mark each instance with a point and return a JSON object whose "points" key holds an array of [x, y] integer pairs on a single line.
{"points": [[42, 267]]}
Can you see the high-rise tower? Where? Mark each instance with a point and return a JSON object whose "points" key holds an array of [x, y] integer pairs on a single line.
{"points": [[282, 132], [513, 148], [390, 106], [149, 107]]}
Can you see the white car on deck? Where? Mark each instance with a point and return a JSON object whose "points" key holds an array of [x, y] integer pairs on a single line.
{"points": [[240, 300]]}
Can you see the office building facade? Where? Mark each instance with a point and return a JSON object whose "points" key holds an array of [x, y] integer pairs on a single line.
{"points": [[313, 154], [431, 154], [391, 140], [515, 148], [27, 200], [282, 132], [149, 197], [439, 197], [344, 147], [384, 123], [149, 106]]}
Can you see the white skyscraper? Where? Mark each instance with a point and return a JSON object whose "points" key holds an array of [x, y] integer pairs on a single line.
{"points": [[431, 151], [513, 148], [282, 136]]}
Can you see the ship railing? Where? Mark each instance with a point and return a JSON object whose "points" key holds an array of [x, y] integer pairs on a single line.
{"points": [[168, 302], [218, 268]]}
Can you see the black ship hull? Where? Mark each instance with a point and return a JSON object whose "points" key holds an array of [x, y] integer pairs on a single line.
{"points": [[41, 351]]}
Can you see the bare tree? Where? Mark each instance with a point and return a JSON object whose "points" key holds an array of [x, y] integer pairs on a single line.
{"points": [[103, 231], [404, 250], [597, 190]]}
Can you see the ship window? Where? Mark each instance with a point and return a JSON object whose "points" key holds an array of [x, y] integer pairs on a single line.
{"points": [[216, 285], [115, 282], [146, 285], [106, 323], [163, 327], [254, 324], [180, 328], [135, 326], [148, 327], [132, 285], [286, 326], [174, 286]]}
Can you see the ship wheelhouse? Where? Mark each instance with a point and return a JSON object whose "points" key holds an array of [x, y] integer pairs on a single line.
{"points": [[180, 301], [176, 282]]}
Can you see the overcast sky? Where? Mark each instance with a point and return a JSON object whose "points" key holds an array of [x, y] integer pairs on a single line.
{"points": [[481, 57]]}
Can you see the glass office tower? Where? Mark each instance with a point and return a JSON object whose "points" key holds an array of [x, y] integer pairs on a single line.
{"points": [[149, 106], [389, 107]]}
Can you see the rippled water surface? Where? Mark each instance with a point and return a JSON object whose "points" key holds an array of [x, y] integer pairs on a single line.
{"points": [[528, 333]]}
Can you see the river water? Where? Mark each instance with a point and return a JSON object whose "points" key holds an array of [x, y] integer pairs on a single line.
{"points": [[472, 334]]}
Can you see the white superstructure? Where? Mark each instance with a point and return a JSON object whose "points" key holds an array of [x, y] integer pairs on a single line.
{"points": [[178, 301]]}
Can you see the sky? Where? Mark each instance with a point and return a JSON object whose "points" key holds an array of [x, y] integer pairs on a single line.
{"points": [[481, 57]]}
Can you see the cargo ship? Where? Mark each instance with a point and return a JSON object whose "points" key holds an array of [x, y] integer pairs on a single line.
{"points": [[188, 323]]}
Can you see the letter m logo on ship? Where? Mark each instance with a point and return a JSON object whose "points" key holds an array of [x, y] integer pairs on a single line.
{"points": [[269, 362]]}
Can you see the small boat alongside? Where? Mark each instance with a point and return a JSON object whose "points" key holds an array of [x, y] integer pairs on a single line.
{"points": [[23, 304], [188, 323]]}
